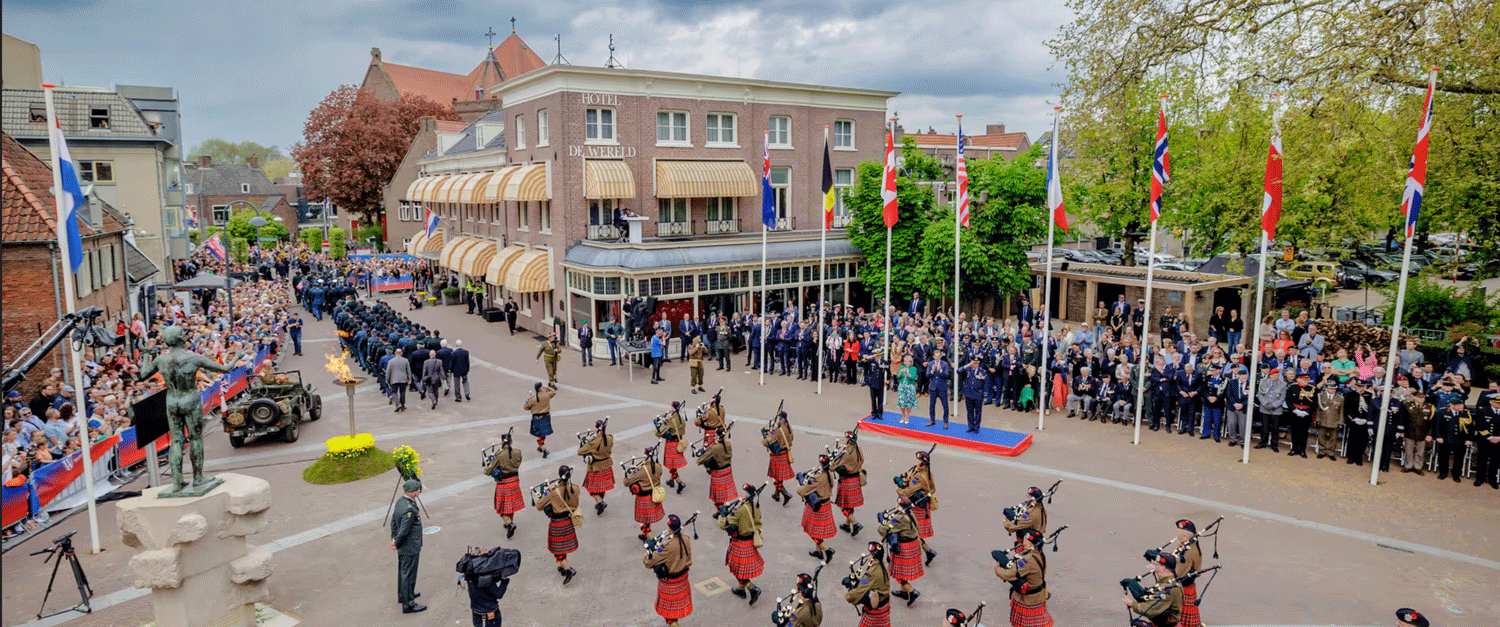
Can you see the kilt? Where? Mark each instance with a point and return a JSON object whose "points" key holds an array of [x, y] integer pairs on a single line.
{"points": [[1190, 616], [878, 617], [850, 494], [508, 496], [1029, 615], [646, 512], [780, 468], [907, 565], [672, 458], [599, 481], [818, 523], [674, 597], [743, 559], [541, 425], [561, 538], [721, 485], [924, 521]]}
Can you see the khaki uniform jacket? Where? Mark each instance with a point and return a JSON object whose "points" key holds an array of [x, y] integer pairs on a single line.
{"points": [[674, 428], [781, 437], [601, 448], [676, 553], [920, 482], [508, 460], [549, 351], [1031, 568], [718, 456], [696, 353], [541, 401], [1189, 559], [744, 521], [872, 592], [852, 462], [649, 477], [823, 486], [1169, 605], [1034, 517], [712, 418], [809, 614], [903, 525], [1418, 420], [563, 499], [1330, 409]]}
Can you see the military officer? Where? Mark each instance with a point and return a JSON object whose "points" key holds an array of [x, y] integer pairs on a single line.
{"points": [[900, 533], [973, 389], [1360, 409], [1330, 416], [695, 355], [717, 459], [671, 561], [850, 468], [540, 406], [1486, 441], [1418, 432], [1027, 574], [1302, 399], [598, 452], [742, 558], [722, 344], [406, 541], [1452, 432], [817, 512], [559, 503], [505, 469], [549, 352]]}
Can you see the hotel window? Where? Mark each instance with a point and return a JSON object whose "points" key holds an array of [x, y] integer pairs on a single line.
{"points": [[244, 188], [542, 136], [602, 211], [672, 210], [720, 129], [599, 125], [671, 127], [520, 131], [99, 118], [96, 171], [781, 131], [781, 179], [843, 134], [405, 213], [720, 208], [221, 214], [546, 207], [842, 181], [522, 220]]}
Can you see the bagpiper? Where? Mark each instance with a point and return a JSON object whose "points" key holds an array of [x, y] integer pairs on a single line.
{"points": [[717, 459], [642, 481], [710, 420], [850, 467], [540, 406], [777, 438], [1164, 607], [1030, 514], [670, 560], [1026, 571], [598, 451], [559, 503], [809, 610], [505, 469], [869, 588], [899, 529], [817, 512], [1189, 559], [674, 431], [741, 520], [917, 486]]}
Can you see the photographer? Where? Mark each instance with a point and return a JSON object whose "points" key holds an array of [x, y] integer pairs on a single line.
{"points": [[485, 592]]}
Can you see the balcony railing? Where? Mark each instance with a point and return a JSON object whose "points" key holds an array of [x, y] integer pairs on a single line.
{"points": [[785, 224], [674, 229], [722, 227], [842, 221], [605, 232]]}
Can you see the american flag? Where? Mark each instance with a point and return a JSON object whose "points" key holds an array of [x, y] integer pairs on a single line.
{"points": [[1416, 179], [963, 178], [1161, 171], [1270, 207]]}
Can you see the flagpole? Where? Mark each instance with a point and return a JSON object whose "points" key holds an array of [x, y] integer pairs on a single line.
{"points": [[1410, 220], [1260, 296], [1041, 412], [765, 321], [885, 309], [1140, 392], [822, 275], [74, 357], [957, 201]]}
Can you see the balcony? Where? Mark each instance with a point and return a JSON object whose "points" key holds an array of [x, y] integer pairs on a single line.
{"points": [[674, 229], [722, 227], [785, 224], [605, 232], [843, 221]]}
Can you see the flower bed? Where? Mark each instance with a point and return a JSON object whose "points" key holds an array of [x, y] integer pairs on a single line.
{"points": [[345, 447]]}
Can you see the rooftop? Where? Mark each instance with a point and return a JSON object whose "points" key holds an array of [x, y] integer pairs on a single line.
{"points": [[227, 179], [84, 113], [30, 210]]}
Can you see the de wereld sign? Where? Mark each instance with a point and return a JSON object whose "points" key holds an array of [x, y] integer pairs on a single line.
{"points": [[602, 152]]}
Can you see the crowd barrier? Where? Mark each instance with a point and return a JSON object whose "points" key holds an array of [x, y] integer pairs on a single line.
{"points": [[393, 284]]}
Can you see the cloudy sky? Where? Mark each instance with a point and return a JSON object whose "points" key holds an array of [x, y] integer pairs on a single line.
{"points": [[253, 70]]}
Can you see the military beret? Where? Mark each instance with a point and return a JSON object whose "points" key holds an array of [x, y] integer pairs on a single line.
{"points": [[1187, 525], [1409, 616], [411, 485], [956, 617], [1457, 400], [1166, 559], [1035, 493], [1031, 535]]}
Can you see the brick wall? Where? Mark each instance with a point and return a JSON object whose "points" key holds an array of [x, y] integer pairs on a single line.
{"points": [[32, 300]]}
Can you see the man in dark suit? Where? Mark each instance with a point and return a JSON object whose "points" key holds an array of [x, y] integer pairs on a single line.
{"points": [[406, 541], [445, 355], [1027, 314], [916, 304], [458, 366], [511, 309], [690, 330]]}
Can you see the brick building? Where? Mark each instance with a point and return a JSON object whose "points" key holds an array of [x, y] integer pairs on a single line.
{"points": [[216, 190], [533, 214], [31, 287]]}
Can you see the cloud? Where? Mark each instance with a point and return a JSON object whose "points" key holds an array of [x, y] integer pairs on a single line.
{"points": [[252, 71]]}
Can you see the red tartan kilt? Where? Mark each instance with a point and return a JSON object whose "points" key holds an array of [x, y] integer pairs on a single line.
{"points": [[818, 523], [924, 521], [1190, 616], [878, 617], [850, 495], [743, 559], [561, 538], [907, 565], [646, 512], [508, 496], [673, 458], [721, 485], [1029, 616], [599, 481], [780, 468], [674, 597]]}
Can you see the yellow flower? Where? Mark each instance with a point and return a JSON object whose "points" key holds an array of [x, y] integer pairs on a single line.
{"points": [[344, 444]]}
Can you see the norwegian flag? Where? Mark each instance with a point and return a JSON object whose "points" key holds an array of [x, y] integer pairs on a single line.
{"points": [[1416, 179], [963, 178], [1270, 206], [888, 182], [1161, 170]]}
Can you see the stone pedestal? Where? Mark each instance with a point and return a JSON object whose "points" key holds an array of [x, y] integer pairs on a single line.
{"points": [[191, 552]]}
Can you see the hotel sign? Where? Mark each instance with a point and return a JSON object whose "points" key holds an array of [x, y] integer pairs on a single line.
{"points": [[602, 152]]}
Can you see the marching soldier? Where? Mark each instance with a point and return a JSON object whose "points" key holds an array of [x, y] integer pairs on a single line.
{"points": [[695, 355], [1452, 431], [549, 353], [671, 561], [743, 558], [810, 612], [711, 421], [641, 481], [559, 504], [900, 533], [406, 541], [540, 406], [1027, 575], [922, 493], [817, 512], [601, 476], [1189, 559], [778, 443], [673, 431], [871, 594], [505, 469], [717, 459], [1031, 515], [1166, 610], [1330, 416], [850, 467], [1418, 432]]}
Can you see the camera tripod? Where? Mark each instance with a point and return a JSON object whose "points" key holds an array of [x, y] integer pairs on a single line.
{"points": [[62, 549]]}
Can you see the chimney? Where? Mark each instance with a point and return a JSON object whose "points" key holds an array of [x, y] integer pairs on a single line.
{"points": [[429, 123], [374, 56], [253, 161], [994, 129], [205, 161]]}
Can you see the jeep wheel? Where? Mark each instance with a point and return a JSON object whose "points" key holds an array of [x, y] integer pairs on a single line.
{"points": [[316, 410], [263, 412], [289, 433], [236, 441]]}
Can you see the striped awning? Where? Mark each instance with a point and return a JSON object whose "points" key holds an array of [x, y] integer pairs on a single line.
{"points": [[705, 179], [607, 179], [439, 190], [448, 248], [415, 244], [454, 252], [418, 190], [411, 190], [500, 263], [531, 272], [494, 187], [433, 242], [476, 259], [472, 191], [527, 184]]}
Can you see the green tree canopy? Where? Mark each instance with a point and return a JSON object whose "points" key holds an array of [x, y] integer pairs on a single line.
{"points": [[239, 226], [224, 151], [868, 233]]}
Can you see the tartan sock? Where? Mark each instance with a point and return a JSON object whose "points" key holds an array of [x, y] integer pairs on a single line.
{"points": [[779, 487], [848, 512], [646, 529], [542, 442], [674, 474]]}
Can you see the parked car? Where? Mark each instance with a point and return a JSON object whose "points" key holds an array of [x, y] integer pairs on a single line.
{"points": [[1176, 267], [1392, 261], [273, 403], [1368, 272], [1324, 275]]}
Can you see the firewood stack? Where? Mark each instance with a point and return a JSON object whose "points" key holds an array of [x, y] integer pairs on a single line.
{"points": [[1349, 336]]}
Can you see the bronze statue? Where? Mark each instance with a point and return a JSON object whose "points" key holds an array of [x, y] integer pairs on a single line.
{"points": [[179, 367]]}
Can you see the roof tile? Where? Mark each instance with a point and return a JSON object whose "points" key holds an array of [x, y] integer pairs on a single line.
{"points": [[29, 209], [441, 87]]}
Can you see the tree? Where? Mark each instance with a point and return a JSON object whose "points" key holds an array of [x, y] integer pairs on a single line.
{"points": [[239, 249], [278, 168], [353, 142], [239, 226], [223, 151], [867, 230], [338, 243], [313, 238]]}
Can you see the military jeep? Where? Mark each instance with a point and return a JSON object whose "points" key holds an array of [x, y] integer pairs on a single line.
{"points": [[273, 402]]}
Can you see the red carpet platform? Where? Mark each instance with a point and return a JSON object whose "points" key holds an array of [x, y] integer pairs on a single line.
{"points": [[992, 441]]}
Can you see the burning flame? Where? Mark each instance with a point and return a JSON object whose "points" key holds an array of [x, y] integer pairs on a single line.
{"points": [[339, 367]]}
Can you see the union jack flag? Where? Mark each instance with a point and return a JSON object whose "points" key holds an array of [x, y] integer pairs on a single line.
{"points": [[1161, 170], [963, 178], [1416, 179]]}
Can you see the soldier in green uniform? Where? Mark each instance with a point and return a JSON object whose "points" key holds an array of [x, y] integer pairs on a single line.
{"points": [[1418, 432], [549, 354], [406, 541], [1165, 608]]}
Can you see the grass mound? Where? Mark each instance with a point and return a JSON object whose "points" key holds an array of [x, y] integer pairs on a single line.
{"points": [[367, 463]]}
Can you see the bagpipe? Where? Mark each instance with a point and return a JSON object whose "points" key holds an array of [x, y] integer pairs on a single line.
{"points": [[958, 619], [777, 422], [788, 606], [487, 456], [1007, 558], [860, 571], [920, 498], [733, 507], [661, 421], [703, 408], [588, 436], [1026, 505], [1160, 589], [1211, 531], [540, 490], [700, 447], [654, 544], [837, 453], [637, 464]]}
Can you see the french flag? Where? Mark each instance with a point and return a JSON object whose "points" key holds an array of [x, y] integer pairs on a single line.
{"points": [[69, 200]]}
